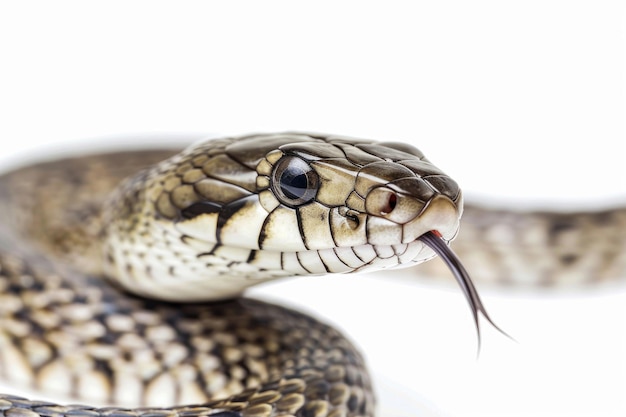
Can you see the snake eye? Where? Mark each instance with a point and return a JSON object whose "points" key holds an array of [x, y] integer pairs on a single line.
{"points": [[294, 182]]}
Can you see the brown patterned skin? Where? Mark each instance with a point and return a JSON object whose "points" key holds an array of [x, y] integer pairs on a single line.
{"points": [[89, 340], [66, 329]]}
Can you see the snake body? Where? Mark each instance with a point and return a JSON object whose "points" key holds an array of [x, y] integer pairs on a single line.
{"points": [[541, 249], [98, 253]]}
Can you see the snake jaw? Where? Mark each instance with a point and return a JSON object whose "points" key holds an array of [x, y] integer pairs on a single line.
{"points": [[434, 240]]}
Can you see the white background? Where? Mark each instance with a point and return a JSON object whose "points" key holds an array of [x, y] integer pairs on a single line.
{"points": [[520, 101]]}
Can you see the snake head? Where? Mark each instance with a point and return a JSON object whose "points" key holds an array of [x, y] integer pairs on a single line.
{"points": [[374, 199], [238, 211]]}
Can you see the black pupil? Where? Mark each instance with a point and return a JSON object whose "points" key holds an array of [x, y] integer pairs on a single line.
{"points": [[294, 182]]}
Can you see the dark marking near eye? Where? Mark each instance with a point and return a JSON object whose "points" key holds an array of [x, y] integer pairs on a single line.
{"points": [[229, 211], [262, 236], [201, 207], [263, 232]]}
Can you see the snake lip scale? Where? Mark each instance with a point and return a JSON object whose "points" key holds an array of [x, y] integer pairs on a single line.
{"points": [[122, 276]]}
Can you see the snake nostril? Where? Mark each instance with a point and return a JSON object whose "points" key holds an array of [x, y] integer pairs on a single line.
{"points": [[392, 200], [381, 201]]}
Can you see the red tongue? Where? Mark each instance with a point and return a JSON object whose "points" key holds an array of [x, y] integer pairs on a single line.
{"points": [[434, 241]]}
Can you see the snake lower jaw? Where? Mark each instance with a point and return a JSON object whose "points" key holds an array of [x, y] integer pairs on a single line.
{"points": [[182, 283], [211, 272]]}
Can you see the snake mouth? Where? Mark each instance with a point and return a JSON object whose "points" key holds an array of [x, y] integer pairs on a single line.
{"points": [[438, 244]]}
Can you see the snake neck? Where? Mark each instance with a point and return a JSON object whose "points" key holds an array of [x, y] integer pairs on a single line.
{"points": [[146, 253]]}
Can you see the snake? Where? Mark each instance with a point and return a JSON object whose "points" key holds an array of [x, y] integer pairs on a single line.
{"points": [[122, 274]]}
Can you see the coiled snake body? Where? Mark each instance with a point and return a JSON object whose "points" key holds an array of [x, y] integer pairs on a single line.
{"points": [[201, 226]]}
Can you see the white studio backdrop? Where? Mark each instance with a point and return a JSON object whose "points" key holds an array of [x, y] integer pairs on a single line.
{"points": [[521, 102]]}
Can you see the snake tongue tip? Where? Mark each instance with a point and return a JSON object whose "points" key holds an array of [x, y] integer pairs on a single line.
{"points": [[435, 241]]}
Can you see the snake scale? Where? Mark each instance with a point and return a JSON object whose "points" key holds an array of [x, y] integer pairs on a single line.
{"points": [[121, 273]]}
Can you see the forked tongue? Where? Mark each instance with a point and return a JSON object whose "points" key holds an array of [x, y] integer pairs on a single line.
{"points": [[434, 241]]}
